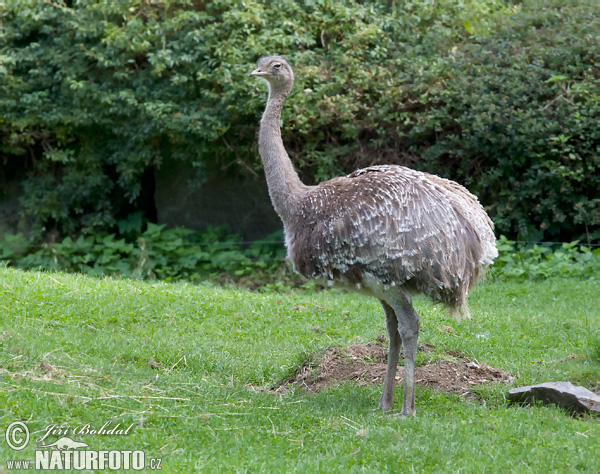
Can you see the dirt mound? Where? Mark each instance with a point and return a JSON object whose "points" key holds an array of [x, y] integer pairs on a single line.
{"points": [[365, 364]]}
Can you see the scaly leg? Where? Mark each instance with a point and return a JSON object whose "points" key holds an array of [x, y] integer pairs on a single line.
{"points": [[387, 396], [408, 327]]}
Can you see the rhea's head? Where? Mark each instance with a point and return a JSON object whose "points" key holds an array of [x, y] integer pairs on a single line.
{"points": [[276, 71]]}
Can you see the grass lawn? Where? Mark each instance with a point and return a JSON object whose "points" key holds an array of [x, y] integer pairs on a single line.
{"points": [[187, 365]]}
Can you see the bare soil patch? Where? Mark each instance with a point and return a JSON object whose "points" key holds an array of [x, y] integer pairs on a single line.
{"points": [[365, 364]]}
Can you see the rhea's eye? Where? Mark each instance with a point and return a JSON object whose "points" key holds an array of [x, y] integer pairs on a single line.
{"points": [[276, 66]]}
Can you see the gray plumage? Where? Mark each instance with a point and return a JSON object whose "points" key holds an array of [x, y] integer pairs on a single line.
{"points": [[387, 231]]}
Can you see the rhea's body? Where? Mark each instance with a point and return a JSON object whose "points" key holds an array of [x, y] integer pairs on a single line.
{"points": [[387, 231], [387, 226]]}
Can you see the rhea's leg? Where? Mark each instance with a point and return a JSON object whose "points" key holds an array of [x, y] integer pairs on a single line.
{"points": [[408, 327], [387, 396]]}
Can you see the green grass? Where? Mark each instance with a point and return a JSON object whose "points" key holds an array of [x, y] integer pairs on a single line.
{"points": [[187, 366]]}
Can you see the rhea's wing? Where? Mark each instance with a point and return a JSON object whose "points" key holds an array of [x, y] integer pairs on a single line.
{"points": [[397, 225]]}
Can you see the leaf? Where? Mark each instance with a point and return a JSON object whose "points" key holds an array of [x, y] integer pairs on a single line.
{"points": [[556, 78], [469, 27]]}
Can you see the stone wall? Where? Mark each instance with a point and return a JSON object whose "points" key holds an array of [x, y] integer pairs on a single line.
{"points": [[182, 200], [10, 192]]}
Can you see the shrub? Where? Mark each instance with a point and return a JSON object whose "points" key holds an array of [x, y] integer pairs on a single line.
{"points": [[217, 255], [527, 136], [499, 95], [537, 261]]}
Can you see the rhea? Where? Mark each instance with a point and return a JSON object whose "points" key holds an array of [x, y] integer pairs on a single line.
{"points": [[387, 231]]}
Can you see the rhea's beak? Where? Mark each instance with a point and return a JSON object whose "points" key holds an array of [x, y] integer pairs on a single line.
{"points": [[257, 72]]}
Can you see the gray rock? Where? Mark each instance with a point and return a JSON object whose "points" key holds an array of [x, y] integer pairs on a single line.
{"points": [[563, 394]]}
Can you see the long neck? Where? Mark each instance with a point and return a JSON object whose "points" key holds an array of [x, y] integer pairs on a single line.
{"points": [[285, 187]]}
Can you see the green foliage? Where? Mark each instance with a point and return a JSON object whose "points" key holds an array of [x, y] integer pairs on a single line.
{"points": [[499, 95], [220, 256], [528, 98], [540, 261], [217, 255]]}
